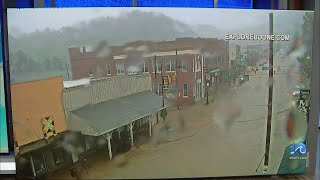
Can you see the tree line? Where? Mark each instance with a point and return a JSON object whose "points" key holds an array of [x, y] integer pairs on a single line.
{"points": [[24, 67]]}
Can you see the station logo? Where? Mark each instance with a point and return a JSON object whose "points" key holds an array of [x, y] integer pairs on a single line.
{"points": [[298, 151]]}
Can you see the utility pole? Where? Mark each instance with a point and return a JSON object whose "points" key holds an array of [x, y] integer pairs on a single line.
{"points": [[68, 76], [155, 82], [207, 85], [178, 91], [162, 84], [267, 150], [155, 75]]}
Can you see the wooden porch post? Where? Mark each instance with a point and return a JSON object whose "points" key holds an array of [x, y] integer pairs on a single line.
{"points": [[109, 135], [150, 127], [32, 165], [131, 133]]}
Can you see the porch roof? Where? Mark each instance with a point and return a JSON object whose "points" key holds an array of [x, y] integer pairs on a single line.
{"points": [[112, 114]]}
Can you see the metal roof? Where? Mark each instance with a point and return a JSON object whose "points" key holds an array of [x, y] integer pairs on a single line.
{"points": [[75, 83], [109, 115]]}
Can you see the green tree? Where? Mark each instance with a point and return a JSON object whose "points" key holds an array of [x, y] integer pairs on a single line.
{"points": [[163, 114], [307, 30]]}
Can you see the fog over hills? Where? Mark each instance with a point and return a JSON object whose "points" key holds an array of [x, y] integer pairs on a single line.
{"points": [[49, 47]]}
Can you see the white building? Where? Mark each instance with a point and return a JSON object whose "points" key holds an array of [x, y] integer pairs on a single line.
{"points": [[234, 53]]}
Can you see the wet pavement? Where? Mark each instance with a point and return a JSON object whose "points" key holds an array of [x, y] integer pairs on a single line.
{"points": [[226, 137]]}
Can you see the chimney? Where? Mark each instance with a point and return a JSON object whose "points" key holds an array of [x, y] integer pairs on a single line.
{"points": [[83, 49]]}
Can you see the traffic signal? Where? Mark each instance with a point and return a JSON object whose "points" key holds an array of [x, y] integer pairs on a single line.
{"points": [[301, 77], [169, 79]]}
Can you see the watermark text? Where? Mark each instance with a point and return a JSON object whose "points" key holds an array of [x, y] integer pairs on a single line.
{"points": [[257, 37]]}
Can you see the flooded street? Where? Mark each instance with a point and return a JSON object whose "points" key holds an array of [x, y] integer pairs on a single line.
{"points": [[226, 136]]}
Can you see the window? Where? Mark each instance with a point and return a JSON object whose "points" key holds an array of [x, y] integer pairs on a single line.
{"points": [[184, 66], [108, 68], [120, 68], [171, 65], [158, 66], [198, 65], [159, 89], [39, 163], [58, 156], [185, 90], [145, 67]]}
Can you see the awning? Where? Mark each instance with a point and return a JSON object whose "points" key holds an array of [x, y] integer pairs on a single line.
{"points": [[40, 144], [109, 115]]}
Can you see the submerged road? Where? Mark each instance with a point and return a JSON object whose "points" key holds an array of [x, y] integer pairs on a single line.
{"points": [[228, 139]]}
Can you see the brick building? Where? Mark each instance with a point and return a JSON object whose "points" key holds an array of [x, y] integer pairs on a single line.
{"points": [[187, 69]]}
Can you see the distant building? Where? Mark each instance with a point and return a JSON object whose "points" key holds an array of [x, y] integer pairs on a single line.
{"points": [[234, 53], [39, 126], [195, 58], [256, 53]]}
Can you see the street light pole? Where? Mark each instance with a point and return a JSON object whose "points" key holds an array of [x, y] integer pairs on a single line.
{"points": [[267, 150], [162, 84], [207, 85], [155, 82], [155, 75], [178, 91], [68, 75]]}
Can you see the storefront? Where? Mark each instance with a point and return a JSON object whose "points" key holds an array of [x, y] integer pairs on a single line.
{"points": [[47, 158]]}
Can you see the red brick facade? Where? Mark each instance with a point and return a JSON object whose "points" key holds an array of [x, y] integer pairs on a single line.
{"points": [[188, 70]]}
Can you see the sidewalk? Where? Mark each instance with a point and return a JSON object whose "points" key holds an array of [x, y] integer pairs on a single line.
{"points": [[181, 124]]}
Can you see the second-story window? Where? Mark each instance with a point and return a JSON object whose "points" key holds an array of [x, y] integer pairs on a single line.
{"points": [[108, 69], [171, 65], [145, 67], [158, 66], [184, 66], [198, 65], [120, 68]]}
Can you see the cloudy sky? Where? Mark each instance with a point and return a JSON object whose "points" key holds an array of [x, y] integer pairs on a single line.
{"points": [[29, 20]]}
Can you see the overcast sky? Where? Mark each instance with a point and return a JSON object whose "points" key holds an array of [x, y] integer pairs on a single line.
{"points": [[29, 20]]}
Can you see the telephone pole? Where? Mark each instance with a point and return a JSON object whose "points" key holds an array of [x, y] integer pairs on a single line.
{"points": [[155, 75], [68, 75], [178, 91], [267, 150], [155, 82], [162, 84]]}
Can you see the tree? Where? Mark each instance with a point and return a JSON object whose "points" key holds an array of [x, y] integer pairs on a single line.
{"points": [[164, 114], [58, 63], [307, 30]]}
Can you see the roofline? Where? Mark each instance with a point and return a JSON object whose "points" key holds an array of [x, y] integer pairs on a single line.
{"points": [[45, 79], [105, 79], [99, 134], [162, 53], [130, 122]]}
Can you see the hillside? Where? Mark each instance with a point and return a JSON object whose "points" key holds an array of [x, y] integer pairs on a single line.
{"points": [[45, 52]]}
